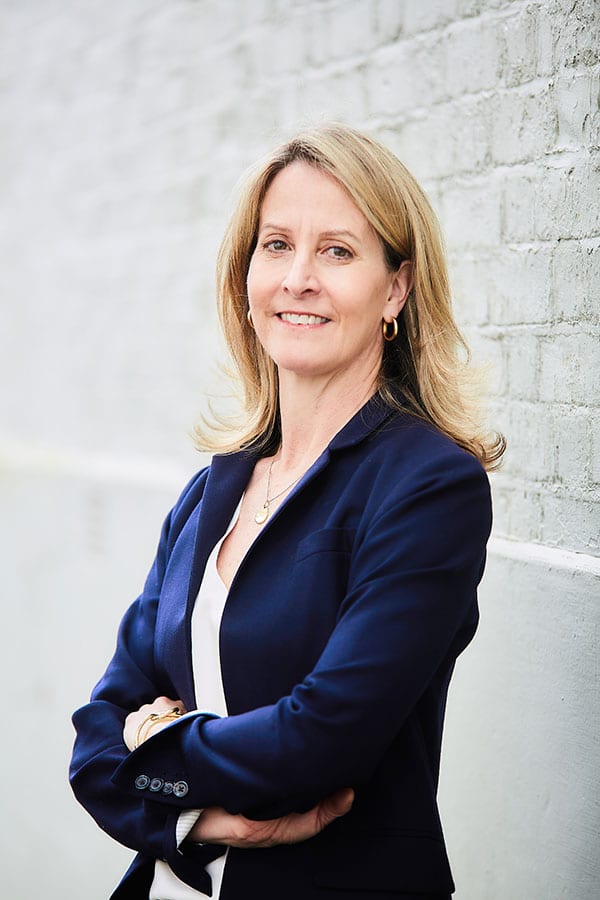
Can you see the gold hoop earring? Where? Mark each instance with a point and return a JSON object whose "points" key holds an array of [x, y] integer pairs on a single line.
{"points": [[386, 335], [249, 318]]}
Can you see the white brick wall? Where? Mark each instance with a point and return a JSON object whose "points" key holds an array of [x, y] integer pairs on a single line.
{"points": [[125, 126]]}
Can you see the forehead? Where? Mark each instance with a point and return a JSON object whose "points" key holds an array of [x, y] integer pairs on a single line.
{"points": [[301, 189]]}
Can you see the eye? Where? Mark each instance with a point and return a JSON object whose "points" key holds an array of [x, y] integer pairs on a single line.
{"points": [[276, 245], [339, 252]]}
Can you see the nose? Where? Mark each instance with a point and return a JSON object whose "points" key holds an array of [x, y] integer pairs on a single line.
{"points": [[301, 277]]}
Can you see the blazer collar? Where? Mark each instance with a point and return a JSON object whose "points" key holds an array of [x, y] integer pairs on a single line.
{"points": [[362, 424], [229, 473]]}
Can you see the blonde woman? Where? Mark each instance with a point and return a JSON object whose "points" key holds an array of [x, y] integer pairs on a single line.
{"points": [[270, 724]]}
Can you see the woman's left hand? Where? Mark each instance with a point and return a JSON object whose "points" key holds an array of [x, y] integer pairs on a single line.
{"points": [[215, 826], [135, 720]]}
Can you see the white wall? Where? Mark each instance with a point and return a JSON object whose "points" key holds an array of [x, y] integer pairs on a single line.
{"points": [[125, 126]]}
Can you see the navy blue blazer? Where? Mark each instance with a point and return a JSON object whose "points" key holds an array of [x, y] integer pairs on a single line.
{"points": [[338, 640]]}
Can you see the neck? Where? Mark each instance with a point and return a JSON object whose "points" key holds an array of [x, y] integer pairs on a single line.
{"points": [[312, 414]]}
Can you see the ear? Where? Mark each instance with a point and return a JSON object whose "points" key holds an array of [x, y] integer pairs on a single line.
{"points": [[401, 287]]}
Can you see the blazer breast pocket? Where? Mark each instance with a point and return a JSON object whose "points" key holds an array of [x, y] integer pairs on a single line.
{"points": [[326, 540], [319, 577]]}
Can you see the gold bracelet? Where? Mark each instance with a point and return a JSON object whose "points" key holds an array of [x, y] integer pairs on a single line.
{"points": [[168, 715]]}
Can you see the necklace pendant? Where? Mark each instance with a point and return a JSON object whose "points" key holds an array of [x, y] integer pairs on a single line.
{"points": [[262, 515]]}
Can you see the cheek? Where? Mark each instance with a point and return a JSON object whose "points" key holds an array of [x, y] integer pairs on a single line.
{"points": [[260, 281], [369, 301]]}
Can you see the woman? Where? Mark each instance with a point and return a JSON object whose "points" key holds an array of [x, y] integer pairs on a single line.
{"points": [[345, 527]]}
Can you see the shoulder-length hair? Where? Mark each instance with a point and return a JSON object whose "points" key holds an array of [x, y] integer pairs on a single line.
{"points": [[425, 370]]}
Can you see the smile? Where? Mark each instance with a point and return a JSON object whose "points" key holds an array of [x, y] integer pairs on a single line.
{"points": [[302, 319]]}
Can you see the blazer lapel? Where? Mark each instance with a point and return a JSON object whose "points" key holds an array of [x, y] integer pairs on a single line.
{"points": [[227, 480], [225, 485]]}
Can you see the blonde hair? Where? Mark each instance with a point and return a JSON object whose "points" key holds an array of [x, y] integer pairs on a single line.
{"points": [[423, 371]]}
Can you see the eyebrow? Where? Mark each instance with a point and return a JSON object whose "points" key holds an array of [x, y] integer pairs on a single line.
{"points": [[329, 232]]}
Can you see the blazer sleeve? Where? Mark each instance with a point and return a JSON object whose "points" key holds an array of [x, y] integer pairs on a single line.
{"points": [[408, 610], [129, 681]]}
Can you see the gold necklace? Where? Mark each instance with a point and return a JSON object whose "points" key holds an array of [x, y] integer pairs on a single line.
{"points": [[262, 514]]}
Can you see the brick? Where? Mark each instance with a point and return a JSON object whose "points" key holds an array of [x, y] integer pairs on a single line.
{"points": [[519, 279], [576, 35], [523, 124], [532, 455], [571, 523], [551, 203], [565, 203], [468, 134], [470, 288], [520, 188], [448, 139], [572, 439], [406, 76], [518, 509], [473, 57], [522, 365], [471, 213], [417, 143], [488, 354], [545, 40], [569, 366], [519, 48], [578, 112], [576, 276]]}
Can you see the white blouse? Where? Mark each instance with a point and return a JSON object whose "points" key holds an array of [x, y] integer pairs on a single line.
{"points": [[208, 685]]}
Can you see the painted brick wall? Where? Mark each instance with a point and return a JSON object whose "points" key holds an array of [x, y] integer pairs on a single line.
{"points": [[125, 126]]}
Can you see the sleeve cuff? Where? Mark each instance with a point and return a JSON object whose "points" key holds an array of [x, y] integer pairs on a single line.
{"points": [[185, 822]]}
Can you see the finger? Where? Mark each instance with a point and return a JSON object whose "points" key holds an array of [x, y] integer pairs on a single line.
{"points": [[213, 824], [300, 826], [340, 803], [161, 705], [169, 704], [166, 703], [333, 807]]}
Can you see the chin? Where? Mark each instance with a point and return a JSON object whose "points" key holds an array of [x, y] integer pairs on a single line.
{"points": [[301, 368]]}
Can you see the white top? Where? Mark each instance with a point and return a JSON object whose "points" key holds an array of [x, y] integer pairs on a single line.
{"points": [[208, 685]]}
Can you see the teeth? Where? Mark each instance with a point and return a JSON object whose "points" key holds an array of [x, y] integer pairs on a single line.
{"points": [[297, 319]]}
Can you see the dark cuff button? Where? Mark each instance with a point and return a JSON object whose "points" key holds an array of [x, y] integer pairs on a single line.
{"points": [[142, 782], [156, 784], [180, 788], [167, 787]]}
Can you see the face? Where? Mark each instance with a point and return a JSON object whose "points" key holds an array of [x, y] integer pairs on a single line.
{"points": [[318, 285]]}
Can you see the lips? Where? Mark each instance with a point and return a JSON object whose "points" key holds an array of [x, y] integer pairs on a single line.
{"points": [[302, 318]]}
